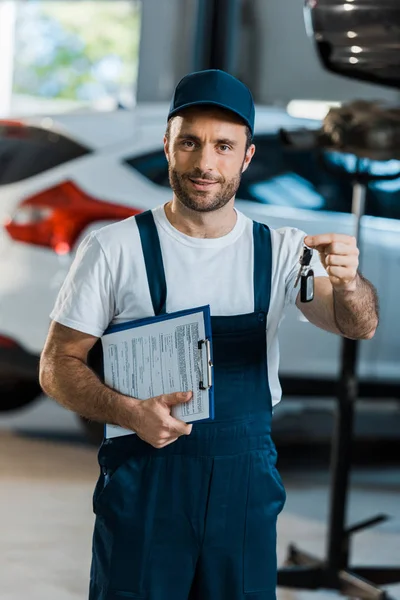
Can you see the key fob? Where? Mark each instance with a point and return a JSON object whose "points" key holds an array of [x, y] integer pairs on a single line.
{"points": [[307, 287], [304, 261]]}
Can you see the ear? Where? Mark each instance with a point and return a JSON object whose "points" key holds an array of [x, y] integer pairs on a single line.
{"points": [[166, 147], [249, 155]]}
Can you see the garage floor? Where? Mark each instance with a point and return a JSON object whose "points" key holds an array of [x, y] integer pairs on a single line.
{"points": [[46, 521]]}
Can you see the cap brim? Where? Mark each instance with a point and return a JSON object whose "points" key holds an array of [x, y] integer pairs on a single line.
{"points": [[210, 103]]}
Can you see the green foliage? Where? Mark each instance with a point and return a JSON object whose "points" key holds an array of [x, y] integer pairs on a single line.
{"points": [[77, 50]]}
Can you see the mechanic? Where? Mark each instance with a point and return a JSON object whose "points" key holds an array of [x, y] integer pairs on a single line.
{"points": [[188, 511]]}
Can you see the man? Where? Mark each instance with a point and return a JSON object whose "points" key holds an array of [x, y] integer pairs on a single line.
{"points": [[189, 512]]}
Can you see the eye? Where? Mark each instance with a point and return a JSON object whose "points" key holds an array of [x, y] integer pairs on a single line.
{"points": [[224, 147], [188, 144]]}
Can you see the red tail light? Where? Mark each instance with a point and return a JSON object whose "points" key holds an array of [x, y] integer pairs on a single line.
{"points": [[13, 129], [55, 218], [6, 342], [11, 123]]}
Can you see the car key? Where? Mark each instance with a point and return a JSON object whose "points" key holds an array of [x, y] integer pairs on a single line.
{"points": [[306, 275]]}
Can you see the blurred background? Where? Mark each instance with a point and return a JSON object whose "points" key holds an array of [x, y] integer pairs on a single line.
{"points": [[84, 93]]}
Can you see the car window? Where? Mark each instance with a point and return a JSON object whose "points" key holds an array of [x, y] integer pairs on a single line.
{"points": [[152, 165], [26, 151], [285, 177], [383, 197], [282, 177]]}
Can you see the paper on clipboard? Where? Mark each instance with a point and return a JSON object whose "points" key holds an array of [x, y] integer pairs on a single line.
{"points": [[161, 355]]}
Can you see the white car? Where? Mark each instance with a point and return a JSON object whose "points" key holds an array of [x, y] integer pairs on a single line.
{"points": [[61, 178]]}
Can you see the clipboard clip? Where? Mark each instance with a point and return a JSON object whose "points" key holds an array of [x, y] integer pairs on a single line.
{"points": [[207, 345]]}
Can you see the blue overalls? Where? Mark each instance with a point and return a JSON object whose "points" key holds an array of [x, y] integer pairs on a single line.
{"points": [[196, 520]]}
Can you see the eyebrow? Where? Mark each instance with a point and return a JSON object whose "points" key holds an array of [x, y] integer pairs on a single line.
{"points": [[195, 138]]}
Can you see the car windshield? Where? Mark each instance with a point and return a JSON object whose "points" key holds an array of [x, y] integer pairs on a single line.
{"points": [[26, 151]]}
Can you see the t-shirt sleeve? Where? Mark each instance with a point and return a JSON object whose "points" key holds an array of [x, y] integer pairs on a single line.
{"points": [[86, 299], [296, 243]]}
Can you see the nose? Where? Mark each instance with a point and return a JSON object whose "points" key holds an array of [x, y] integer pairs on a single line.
{"points": [[205, 158]]}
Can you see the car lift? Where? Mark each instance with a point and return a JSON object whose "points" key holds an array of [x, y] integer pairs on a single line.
{"points": [[301, 570]]}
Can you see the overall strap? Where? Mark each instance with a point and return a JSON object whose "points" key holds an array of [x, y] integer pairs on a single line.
{"points": [[153, 260], [262, 267]]}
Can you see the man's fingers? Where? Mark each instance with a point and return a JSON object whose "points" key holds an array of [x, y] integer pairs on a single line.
{"points": [[343, 274], [181, 428], [335, 260], [320, 241], [340, 249], [176, 398], [158, 427], [173, 429], [176, 428], [166, 443]]}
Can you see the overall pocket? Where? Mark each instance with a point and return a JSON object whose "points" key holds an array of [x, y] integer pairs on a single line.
{"points": [[124, 503], [265, 500], [104, 486], [130, 501], [272, 458]]}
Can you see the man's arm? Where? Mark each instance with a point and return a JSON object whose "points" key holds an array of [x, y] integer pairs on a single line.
{"points": [[345, 303], [353, 315], [65, 376]]}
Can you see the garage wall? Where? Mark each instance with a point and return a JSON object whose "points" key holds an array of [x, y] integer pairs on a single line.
{"points": [[275, 56], [166, 47]]}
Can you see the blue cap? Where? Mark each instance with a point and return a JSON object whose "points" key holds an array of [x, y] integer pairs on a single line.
{"points": [[214, 88]]}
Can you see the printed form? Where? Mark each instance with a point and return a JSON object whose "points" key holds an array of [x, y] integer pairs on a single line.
{"points": [[159, 358]]}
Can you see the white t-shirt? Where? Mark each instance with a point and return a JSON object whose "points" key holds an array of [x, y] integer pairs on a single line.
{"points": [[107, 282]]}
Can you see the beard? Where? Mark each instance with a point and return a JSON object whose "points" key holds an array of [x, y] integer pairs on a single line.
{"points": [[203, 201]]}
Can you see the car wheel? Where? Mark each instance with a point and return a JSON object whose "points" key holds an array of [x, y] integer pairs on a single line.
{"points": [[15, 394], [94, 431]]}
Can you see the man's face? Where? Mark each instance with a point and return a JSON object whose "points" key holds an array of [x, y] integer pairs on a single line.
{"points": [[206, 153]]}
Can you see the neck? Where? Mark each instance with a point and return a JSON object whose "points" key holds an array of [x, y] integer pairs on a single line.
{"points": [[196, 224]]}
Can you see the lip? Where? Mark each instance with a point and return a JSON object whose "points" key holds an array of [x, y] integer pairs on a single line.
{"points": [[202, 184]]}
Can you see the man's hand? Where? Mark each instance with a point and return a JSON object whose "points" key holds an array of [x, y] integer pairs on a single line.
{"points": [[154, 423], [339, 256], [347, 303], [65, 376]]}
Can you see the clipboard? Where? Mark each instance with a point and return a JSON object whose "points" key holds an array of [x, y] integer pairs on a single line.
{"points": [[167, 353]]}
